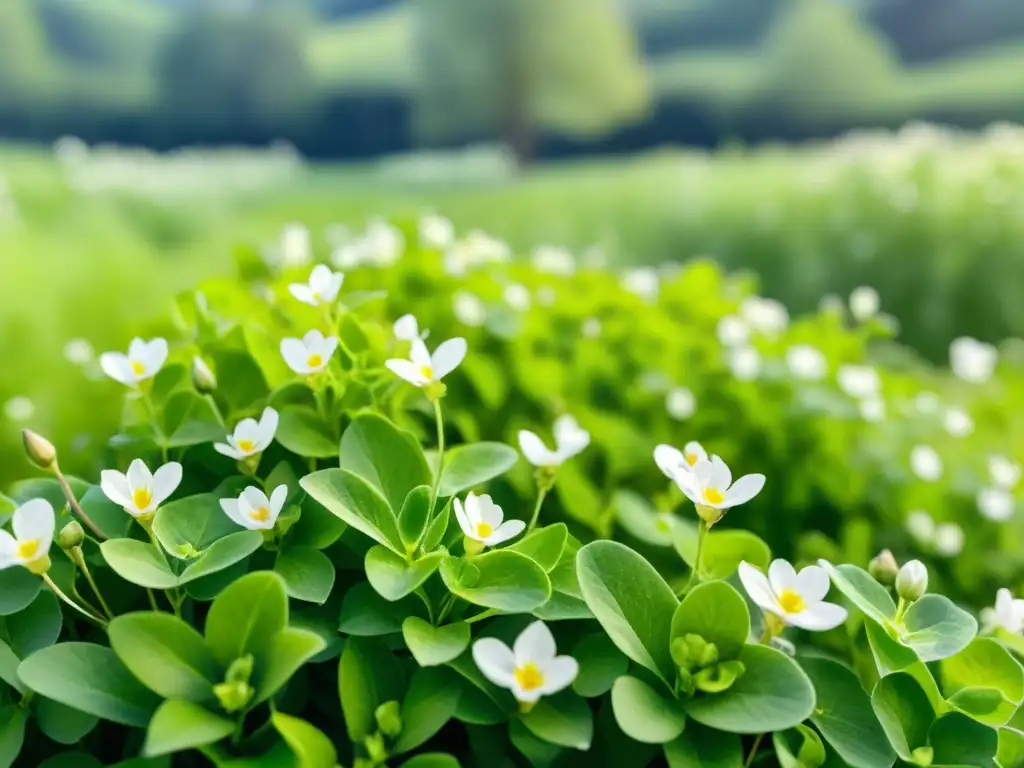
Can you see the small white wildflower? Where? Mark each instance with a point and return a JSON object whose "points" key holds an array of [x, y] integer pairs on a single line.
{"points": [[643, 282], [1007, 614], [957, 422], [766, 316], [745, 363], [383, 243], [732, 331], [680, 403], [422, 368], [925, 463], [321, 288], [469, 309], [858, 381], [806, 362], [553, 260], [79, 352], [143, 361], [436, 232], [517, 296], [570, 439], [310, 354], [996, 504], [295, 246], [926, 403], [483, 521], [872, 410], [949, 539], [254, 510], [921, 526], [796, 598], [19, 408], [972, 361], [1004, 473], [864, 303], [530, 668]]}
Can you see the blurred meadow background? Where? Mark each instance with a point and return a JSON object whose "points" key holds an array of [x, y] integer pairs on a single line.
{"points": [[809, 148]]}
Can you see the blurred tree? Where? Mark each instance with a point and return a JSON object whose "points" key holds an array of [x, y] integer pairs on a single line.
{"points": [[25, 62], [510, 67], [236, 73]]}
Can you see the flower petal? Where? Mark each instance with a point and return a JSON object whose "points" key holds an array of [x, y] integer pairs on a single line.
{"points": [[156, 356], [495, 661], [277, 499], [115, 487], [137, 350], [267, 427], [670, 460], [295, 355], [702, 471], [35, 520], [405, 369], [464, 523], [327, 349], [406, 328], [139, 476], [819, 617], [812, 584], [535, 645], [313, 339], [721, 477], [253, 498], [166, 481], [246, 429], [488, 512], [693, 448], [534, 450], [507, 530], [230, 507], [8, 549], [559, 673], [302, 293], [744, 489], [117, 367], [781, 575], [447, 357], [758, 588], [419, 354]]}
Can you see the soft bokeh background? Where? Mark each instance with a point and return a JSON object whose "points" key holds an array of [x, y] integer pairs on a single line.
{"points": [[822, 145]]}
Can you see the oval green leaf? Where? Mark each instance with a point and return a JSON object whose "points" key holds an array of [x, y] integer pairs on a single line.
{"points": [[308, 573], [393, 577], [862, 590], [501, 579], [467, 466], [716, 612], [432, 646], [937, 629], [355, 501], [563, 719], [246, 615], [179, 725], [645, 714], [138, 562]]}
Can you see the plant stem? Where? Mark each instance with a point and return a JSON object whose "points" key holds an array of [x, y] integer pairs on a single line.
{"points": [[702, 533], [95, 589], [152, 600], [753, 751], [60, 594], [901, 608], [73, 503], [426, 601], [482, 615], [440, 454], [446, 606], [157, 429], [216, 410], [78, 596], [541, 493]]}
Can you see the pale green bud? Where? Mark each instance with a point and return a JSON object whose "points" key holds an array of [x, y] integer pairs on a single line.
{"points": [[39, 450], [912, 580]]}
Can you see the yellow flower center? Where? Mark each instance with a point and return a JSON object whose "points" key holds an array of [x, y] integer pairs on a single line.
{"points": [[713, 496], [260, 515], [483, 530], [141, 497], [138, 368], [427, 372], [691, 459], [791, 601], [529, 677], [28, 549], [246, 446], [314, 360]]}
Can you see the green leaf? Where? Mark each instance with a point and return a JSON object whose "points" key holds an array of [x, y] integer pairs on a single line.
{"points": [[191, 524], [431, 760], [862, 590], [936, 628], [368, 676], [844, 715], [544, 546], [956, 739], [386, 457], [308, 573], [500, 579], [645, 714], [467, 466], [352, 499], [18, 588], [77, 760], [311, 747], [1011, 748], [178, 725], [773, 694], [601, 663], [631, 601], [563, 719], [139, 563], [303, 432], [904, 712], [986, 664], [9, 667], [364, 613], [246, 615], [63, 724], [36, 626], [432, 646], [89, 678], [799, 747], [110, 517], [239, 379], [393, 577], [429, 703], [316, 527], [700, 747], [287, 651], [716, 612], [167, 655], [222, 554], [413, 519], [12, 733], [640, 520], [724, 550]]}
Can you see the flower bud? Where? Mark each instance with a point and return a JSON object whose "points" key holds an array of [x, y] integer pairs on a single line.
{"points": [[389, 719], [883, 567], [912, 580], [71, 535], [202, 377], [39, 450]]}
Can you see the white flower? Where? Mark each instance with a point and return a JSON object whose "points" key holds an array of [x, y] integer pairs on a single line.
{"points": [[912, 580], [1005, 473], [139, 491], [517, 296], [143, 361], [406, 329], [530, 668], [765, 316], [926, 403], [671, 461], [553, 260], [322, 288], [921, 526], [680, 403], [436, 231], [469, 309], [806, 362], [487, 249], [710, 484], [570, 439], [996, 504], [972, 360], [872, 410], [250, 437], [79, 352], [949, 539], [796, 598], [745, 363], [295, 247], [732, 331], [591, 328], [310, 354], [643, 282], [481, 520], [253, 510], [33, 523], [858, 381], [348, 255], [925, 463], [19, 408], [382, 243], [422, 368], [864, 303], [958, 423], [1008, 614]]}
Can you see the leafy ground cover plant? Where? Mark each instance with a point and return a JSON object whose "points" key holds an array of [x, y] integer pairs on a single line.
{"points": [[313, 559]]}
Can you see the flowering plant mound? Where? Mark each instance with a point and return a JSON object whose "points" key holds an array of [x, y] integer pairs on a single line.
{"points": [[313, 558]]}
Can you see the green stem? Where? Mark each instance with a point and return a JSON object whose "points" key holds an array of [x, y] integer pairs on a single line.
{"points": [[426, 601], [236, 736], [440, 454], [73, 503], [542, 492], [78, 596], [216, 410], [901, 608], [446, 606], [152, 600], [60, 594], [753, 751], [702, 533], [157, 429], [96, 590], [482, 615]]}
